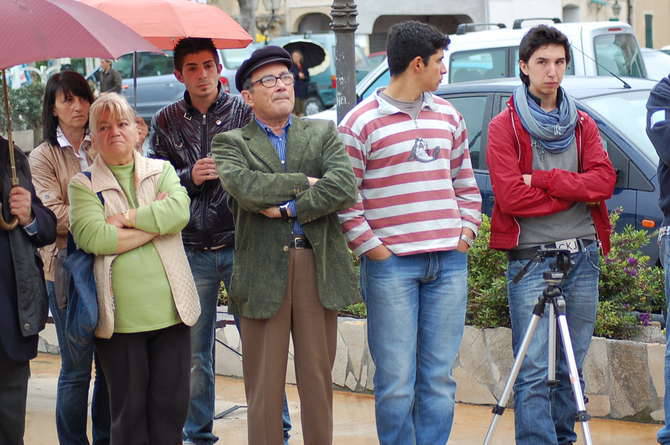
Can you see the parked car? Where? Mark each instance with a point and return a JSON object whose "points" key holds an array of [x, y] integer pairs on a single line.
{"points": [[156, 84], [376, 58], [621, 117], [657, 63], [322, 76]]}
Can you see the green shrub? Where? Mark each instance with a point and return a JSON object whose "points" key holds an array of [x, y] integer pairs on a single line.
{"points": [[487, 286], [626, 276], [613, 321], [26, 104]]}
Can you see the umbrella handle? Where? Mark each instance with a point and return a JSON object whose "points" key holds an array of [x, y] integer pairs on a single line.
{"points": [[11, 225]]}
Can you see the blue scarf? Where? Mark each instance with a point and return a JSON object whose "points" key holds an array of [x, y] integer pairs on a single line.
{"points": [[554, 130]]}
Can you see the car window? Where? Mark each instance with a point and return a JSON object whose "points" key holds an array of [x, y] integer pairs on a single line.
{"points": [[473, 109], [124, 65], [233, 58], [626, 112], [153, 64], [620, 54], [480, 64], [381, 81], [569, 70]]}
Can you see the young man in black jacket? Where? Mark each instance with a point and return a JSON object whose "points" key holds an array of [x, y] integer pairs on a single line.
{"points": [[23, 298]]}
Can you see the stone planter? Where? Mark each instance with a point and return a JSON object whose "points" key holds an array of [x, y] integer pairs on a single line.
{"points": [[624, 378]]}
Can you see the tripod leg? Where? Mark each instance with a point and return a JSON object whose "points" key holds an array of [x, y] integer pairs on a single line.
{"points": [[582, 415], [499, 409], [551, 359]]}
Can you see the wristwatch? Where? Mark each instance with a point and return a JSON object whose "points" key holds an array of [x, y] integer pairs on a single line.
{"points": [[284, 212], [469, 241]]}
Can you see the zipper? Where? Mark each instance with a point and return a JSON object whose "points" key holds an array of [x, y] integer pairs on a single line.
{"points": [[204, 151]]}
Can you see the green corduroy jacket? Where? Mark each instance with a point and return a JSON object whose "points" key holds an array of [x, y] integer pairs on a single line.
{"points": [[252, 174]]}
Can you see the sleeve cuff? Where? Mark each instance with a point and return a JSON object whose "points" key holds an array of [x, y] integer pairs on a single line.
{"points": [[292, 209], [32, 228]]}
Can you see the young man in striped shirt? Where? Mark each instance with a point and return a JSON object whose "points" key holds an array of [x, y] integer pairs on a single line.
{"points": [[417, 214]]}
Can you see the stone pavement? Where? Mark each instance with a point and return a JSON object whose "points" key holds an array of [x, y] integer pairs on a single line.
{"points": [[353, 418]]}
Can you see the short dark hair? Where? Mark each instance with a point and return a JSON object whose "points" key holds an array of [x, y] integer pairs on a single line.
{"points": [[192, 45], [70, 83], [537, 37], [407, 40]]}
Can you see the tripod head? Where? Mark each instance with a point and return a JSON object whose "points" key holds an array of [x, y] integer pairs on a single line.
{"points": [[559, 268]]}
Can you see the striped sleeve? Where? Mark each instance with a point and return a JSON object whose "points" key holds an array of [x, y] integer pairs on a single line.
{"points": [[465, 186], [355, 226]]}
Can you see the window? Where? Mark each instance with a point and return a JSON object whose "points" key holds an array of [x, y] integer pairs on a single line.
{"points": [[473, 109], [482, 64], [619, 54], [152, 64]]}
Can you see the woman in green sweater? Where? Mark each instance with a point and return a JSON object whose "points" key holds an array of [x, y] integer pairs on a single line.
{"points": [[130, 213]]}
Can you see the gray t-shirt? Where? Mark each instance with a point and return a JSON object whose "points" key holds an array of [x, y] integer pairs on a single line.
{"points": [[412, 108], [575, 222]]}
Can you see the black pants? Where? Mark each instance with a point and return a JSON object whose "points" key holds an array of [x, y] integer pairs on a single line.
{"points": [[13, 393], [148, 375]]}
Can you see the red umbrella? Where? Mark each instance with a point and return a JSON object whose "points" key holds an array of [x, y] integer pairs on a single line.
{"points": [[164, 22], [33, 30]]}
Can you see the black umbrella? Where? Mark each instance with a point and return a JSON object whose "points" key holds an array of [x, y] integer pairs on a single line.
{"points": [[313, 54]]}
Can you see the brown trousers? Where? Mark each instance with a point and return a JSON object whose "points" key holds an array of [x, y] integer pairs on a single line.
{"points": [[265, 355]]}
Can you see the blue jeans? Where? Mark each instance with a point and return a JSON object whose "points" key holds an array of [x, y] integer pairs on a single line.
{"points": [[663, 435], [416, 312], [72, 391], [544, 415], [209, 269]]}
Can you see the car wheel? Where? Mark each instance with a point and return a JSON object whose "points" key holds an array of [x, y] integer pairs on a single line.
{"points": [[312, 105]]}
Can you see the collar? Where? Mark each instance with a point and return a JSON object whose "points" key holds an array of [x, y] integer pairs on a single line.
{"points": [[103, 178], [64, 143], [190, 109], [268, 131], [386, 107]]}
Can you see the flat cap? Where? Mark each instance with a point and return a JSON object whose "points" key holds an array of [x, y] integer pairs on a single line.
{"points": [[261, 57]]}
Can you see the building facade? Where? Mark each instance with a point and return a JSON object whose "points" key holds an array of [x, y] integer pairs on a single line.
{"points": [[648, 18]]}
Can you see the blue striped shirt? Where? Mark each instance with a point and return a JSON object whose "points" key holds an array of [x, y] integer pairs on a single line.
{"points": [[279, 143]]}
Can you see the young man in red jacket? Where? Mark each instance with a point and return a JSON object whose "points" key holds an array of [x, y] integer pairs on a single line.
{"points": [[551, 177]]}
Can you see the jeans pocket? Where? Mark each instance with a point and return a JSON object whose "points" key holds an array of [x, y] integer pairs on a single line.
{"points": [[593, 258]]}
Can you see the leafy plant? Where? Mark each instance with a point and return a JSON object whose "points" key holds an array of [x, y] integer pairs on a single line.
{"points": [[626, 276], [487, 297], [26, 105]]}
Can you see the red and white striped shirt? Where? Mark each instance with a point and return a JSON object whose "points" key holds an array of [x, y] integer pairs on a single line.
{"points": [[416, 186]]}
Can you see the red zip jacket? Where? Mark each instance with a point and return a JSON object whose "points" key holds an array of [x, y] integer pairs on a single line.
{"points": [[509, 155]]}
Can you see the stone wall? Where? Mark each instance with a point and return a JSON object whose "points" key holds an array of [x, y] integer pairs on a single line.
{"points": [[624, 378]]}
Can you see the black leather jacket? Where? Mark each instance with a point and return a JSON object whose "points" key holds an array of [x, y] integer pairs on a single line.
{"points": [[182, 135]]}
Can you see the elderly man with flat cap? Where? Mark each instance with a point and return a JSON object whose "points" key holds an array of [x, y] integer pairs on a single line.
{"points": [[292, 271]]}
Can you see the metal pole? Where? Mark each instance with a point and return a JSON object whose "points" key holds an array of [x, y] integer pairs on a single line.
{"points": [[344, 24]]}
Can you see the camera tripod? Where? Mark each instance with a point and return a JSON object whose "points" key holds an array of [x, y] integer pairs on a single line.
{"points": [[552, 295]]}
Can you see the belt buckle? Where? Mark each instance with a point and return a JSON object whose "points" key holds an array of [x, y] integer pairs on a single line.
{"points": [[571, 245], [299, 242]]}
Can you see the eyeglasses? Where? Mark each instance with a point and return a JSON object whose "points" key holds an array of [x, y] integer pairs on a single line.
{"points": [[270, 80]]}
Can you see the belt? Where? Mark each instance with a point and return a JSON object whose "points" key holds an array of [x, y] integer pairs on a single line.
{"points": [[299, 242], [530, 252], [219, 247]]}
